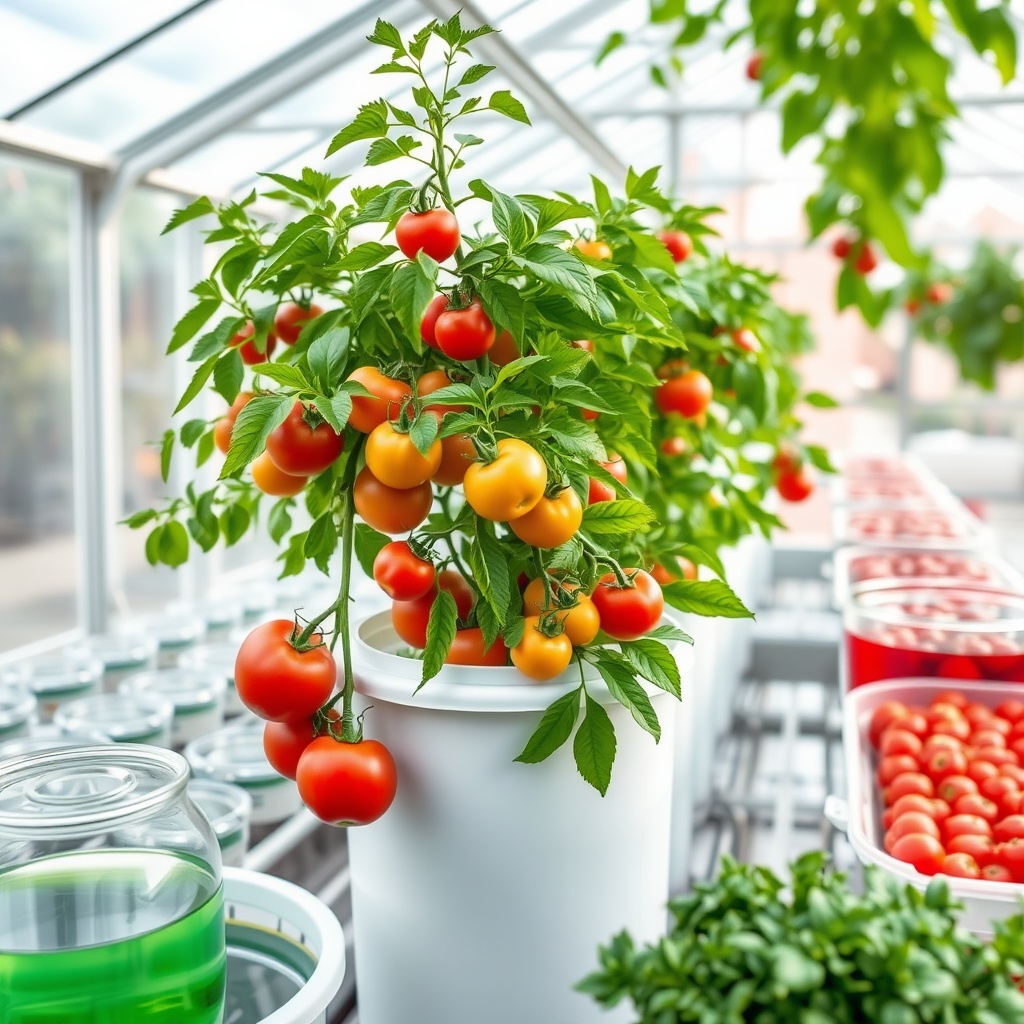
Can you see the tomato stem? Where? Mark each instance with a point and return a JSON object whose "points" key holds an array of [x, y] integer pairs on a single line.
{"points": [[349, 732], [544, 577]]}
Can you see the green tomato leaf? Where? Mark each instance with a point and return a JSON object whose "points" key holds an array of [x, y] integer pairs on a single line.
{"points": [[234, 521], [510, 219], [279, 522], [188, 326], [326, 356], [413, 285], [322, 541], [505, 103], [199, 379], [554, 729], [655, 662], [228, 373], [368, 544], [370, 123], [173, 544], [441, 629], [623, 686], [254, 424], [820, 400], [594, 746], [622, 516], [166, 450], [197, 208], [706, 597], [285, 374]]}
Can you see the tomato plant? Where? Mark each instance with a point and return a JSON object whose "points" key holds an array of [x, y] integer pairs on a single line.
{"points": [[347, 783], [305, 444], [464, 333], [401, 573], [434, 232]]}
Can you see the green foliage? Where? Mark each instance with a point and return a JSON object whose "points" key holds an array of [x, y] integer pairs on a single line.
{"points": [[982, 323], [746, 947]]}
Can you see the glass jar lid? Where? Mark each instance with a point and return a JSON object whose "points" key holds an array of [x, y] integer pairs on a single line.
{"points": [[216, 657], [49, 737], [170, 629], [17, 704], [122, 717], [232, 754], [56, 673], [118, 650], [184, 688], [227, 807], [82, 790]]}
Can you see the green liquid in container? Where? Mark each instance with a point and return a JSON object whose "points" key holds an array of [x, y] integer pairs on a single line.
{"points": [[85, 939]]}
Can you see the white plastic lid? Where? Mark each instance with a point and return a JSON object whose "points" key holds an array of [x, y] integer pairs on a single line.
{"points": [[55, 673], [118, 650], [169, 629], [233, 754], [124, 718], [186, 689]]}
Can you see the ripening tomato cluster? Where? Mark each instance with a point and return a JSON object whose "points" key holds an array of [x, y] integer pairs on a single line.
{"points": [[857, 253], [918, 524], [912, 564], [288, 684], [953, 786], [792, 478], [288, 322], [938, 293]]}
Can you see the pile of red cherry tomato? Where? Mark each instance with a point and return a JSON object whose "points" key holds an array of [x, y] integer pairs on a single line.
{"points": [[951, 780], [915, 564], [921, 524]]}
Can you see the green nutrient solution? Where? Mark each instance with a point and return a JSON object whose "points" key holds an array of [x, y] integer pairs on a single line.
{"points": [[111, 937]]}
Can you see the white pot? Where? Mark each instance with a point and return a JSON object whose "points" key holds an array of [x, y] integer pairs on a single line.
{"points": [[483, 893], [699, 759]]}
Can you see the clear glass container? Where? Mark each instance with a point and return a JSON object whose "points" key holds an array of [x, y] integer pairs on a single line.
{"points": [[49, 737], [111, 904], [219, 615], [122, 718], [219, 658], [17, 706], [122, 655], [56, 679], [197, 695], [229, 810], [908, 629], [174, 632], [235, 755]]}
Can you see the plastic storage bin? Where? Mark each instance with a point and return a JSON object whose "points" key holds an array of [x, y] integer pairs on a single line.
{"points": [[229, 810], [198, 698], [853, 566], [926, 528], [56, 679], [286, 952], [174, 632], [122, 718], [235, 755], [860, 815], [900, 629]]}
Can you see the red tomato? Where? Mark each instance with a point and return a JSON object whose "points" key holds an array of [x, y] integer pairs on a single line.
{"points": [[911, 823], [905, 804], [754, 66], [1017, 746], [979, 716], [401, 574], [284, 742], [247, 349], [896, 764], [1011, 710], [599, 490], [975, 803], [996, 873], [934, 743], [899, 741], [305, 444], [940, 809], [953, 787], [291, 318], [981, 770], [468, 649], [347, 783], [437, 305], [678, 244], [435, 232], [914, 721], [1012, 771], [965, 825], [908, 782], [939, 293], [997, 756], [944, 763], [1010, 857], [1011, 827], [954, 697], [996, 788], [794, 487], [628, 613], [1012, 803], [689, 394], [279, 683], [961, 865], [882, 717], [674, 447], [958, 727], [841, 247], [747, 340], [464, 333], [409, 618], [981, 848], [923, 852], [866, 260], [384, 402], [987, 738], [940, 710]]}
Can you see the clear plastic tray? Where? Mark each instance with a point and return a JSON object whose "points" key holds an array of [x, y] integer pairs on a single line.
{"points": [[936, 529], [860, 817]]}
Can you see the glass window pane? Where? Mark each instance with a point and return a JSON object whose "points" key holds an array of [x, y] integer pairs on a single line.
{"points": [[38, 568]]}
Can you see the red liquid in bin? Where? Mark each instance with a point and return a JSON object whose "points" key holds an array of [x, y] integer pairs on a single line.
{"points": [[955, 632]]}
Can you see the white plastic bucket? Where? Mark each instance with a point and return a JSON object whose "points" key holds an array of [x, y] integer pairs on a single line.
{"points": [[268, 909], [683, 791], [708, 667], [483, 893], [860, 817]]}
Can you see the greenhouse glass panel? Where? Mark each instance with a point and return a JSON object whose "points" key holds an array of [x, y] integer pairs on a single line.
{"points": [[38, 557]]}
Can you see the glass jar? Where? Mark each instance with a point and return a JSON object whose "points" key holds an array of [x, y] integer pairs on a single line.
{"points": [[218, 658], [229, 810], [122, 655], [174, 632], [220, 616], [56, 679], [48, 737], [17, 706], [235, 755], [122, 718], [906, 628], [111, 905], [198, 699]]}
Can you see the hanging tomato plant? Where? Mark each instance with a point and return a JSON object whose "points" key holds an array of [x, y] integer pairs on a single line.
{"points": [[470, 470]]}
